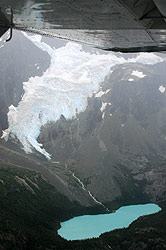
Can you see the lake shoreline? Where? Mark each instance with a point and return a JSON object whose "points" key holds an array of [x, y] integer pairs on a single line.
{"points": [[92, 226]]}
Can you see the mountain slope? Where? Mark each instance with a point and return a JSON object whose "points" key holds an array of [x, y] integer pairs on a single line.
{"points": [[117, 138]]}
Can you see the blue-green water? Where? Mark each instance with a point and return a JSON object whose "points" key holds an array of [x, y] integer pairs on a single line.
{"points": [[89, 226]]}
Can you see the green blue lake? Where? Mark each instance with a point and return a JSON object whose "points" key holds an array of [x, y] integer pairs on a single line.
{"points": [[89, 226]]}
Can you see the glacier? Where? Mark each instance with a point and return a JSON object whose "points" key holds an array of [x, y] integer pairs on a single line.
{"points": [[63, 89]]}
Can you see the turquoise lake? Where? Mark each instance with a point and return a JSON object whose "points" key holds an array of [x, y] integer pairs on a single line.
{"points": [[89, 226]]}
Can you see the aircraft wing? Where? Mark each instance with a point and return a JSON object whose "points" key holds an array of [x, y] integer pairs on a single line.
{"points": [[117, 25]]}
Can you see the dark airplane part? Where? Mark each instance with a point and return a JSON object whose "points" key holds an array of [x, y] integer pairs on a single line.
{"points": [[117, 25], [161, 5], [4, 23], [11, 26]]}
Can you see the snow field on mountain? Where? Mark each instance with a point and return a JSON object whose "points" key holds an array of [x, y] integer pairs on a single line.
{"points": [[63, 89]]}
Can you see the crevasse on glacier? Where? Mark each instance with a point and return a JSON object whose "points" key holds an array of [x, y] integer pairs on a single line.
{"points": [[63, 89]]}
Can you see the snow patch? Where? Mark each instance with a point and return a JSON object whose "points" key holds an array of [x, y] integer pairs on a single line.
{"points": [[100, 94], [4, 134], [102, 109], [107, 91], [130, 79], [162, 89], [103, 106], [138, 74], [37, 66], [146, 58]]}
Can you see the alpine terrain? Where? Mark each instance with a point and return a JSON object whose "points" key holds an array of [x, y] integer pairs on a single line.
{"points": [[83, 131]]}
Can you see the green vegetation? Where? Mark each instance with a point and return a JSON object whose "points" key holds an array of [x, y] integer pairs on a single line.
{"points": [[30, 209], [148, 232]]}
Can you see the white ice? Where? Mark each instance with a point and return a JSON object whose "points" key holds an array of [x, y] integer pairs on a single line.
{"points": [[108, 90], [162, 89], [103, 106], [146, 58], [100, 94], [138, 74], [63, 89], [102, 109]]}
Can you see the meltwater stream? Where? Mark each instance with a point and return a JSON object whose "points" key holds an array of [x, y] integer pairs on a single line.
{"points": [[90, 226]]}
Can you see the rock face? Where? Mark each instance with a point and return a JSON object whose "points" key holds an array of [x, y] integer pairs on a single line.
{"points": [[114, 144]]}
